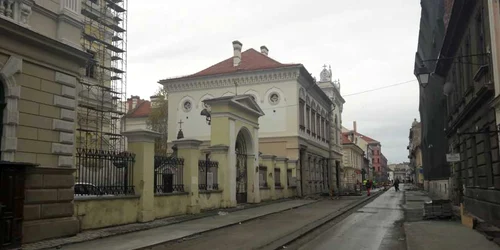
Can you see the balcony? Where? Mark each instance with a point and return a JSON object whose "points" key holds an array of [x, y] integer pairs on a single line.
{"points": [[15, 11]]}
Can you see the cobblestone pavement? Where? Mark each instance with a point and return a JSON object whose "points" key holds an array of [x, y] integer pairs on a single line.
{"points": [[118, 230]]}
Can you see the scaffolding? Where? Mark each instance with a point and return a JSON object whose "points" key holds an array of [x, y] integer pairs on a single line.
{"points": [[102, 96]]}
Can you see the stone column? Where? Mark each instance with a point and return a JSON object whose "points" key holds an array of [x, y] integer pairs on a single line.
{"points": [[282, 163], [220, 153], [253, 188], [141, 142], [189, 150], [269, 162]]}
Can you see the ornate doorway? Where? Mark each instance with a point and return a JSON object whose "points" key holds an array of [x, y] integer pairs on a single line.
{"points": [[241, 168]]}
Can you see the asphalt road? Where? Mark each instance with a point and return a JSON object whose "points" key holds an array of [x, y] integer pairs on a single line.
{"points": [[258, 232], [377, 226]]}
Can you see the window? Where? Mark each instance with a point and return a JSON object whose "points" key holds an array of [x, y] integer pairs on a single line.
{"points": [[318, 124], [301, 114], [313, 122], [328, 131], [467, 61], [308, 118], [274, 98], [3, 104], [480, 36], [91, 65], [187, 106], [460, 83]]}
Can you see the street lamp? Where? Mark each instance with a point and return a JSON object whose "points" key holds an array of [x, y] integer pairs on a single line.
{"points": [[423, 75]]}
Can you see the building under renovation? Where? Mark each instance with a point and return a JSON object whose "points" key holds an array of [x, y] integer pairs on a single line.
{"points": [[102, 93], [100, 156]]}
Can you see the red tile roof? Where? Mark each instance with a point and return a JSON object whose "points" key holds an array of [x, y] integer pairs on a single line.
{"points": [[364, 137], [345, 138], [250, 60], [143, 109]]}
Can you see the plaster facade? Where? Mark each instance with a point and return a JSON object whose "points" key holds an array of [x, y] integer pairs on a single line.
{"points": [[298, 123]]}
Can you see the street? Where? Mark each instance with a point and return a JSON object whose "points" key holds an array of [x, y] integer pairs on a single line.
{"points": [[259, 232], [375, 226]]}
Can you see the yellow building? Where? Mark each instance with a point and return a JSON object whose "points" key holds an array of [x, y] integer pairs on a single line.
{"points": [[353, 162]]}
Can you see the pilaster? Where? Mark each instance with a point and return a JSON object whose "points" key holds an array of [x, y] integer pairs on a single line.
{"points": [[282, 164], [141, 142], [220, 153], [189, 150], [253, 195], [269, 162]]}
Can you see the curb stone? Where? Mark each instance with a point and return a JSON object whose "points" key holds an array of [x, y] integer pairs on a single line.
{"points": [[221, 227], [47, 244]]}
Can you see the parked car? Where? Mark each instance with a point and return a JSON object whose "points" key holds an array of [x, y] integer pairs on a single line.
{"points": [[88, 190]]}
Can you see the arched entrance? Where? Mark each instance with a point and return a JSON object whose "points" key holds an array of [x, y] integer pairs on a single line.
{"points": [[242, 150]]}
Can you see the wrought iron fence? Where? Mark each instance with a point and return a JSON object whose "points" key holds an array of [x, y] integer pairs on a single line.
{"points": [[277, 177], [168, 174], [101, 172], [263, 176], [207, 174]]}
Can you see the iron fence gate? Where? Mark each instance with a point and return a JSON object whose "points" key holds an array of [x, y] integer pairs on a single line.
{"points": [[168, 174], [241, 178], [207, 174]]}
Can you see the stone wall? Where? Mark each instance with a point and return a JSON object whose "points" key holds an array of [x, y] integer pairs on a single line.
{"points": [[45, 137]]}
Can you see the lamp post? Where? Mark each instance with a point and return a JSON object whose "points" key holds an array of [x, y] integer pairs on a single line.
{"points": [[423, 75]]}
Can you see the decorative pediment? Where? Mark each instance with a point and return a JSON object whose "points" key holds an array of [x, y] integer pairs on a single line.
{"points": [[249, 102], [245, 102]]}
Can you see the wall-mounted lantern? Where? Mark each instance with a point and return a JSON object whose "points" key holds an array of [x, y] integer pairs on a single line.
{"points": [[423, 75], [207, 115]]}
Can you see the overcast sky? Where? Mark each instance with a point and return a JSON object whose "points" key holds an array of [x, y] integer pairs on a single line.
{"points": [[369, 44]]}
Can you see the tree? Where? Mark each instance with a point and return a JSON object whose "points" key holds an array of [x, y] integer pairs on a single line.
{"points": [[158, 120]]}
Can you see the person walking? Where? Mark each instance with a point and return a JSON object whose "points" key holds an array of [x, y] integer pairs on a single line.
{"points": [[369, 185], [396, 185]]}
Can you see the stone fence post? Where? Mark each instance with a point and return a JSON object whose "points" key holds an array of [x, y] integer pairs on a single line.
{"points": [[189, 150], [141, 142], [269, 162], [219, 153]]}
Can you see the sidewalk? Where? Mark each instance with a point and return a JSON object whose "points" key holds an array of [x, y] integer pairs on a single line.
{"points": [[132, 236], [437, 234]]}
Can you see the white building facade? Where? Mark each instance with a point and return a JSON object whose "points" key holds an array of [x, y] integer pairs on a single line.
{"points": [[297, 123]]}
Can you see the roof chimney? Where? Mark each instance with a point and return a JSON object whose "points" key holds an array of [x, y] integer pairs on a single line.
{"points": [[264, 50], [134, 101], [354, 127], [155, 100], [237, 53]]}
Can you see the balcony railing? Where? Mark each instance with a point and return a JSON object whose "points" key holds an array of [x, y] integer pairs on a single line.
{"points": [[15, 11], [71, 5]]}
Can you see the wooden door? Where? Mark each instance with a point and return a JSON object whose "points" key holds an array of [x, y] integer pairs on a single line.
{"points": [[11, 206]]}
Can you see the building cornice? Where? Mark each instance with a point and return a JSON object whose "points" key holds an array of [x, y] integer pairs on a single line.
{"points": [[15, 31], [229, 80]]}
